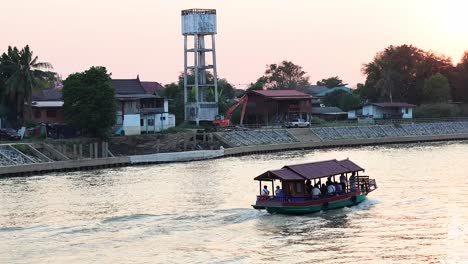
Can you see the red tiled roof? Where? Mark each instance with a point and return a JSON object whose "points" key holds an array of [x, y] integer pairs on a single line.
{"points": [[313, 170], [293, 94]]}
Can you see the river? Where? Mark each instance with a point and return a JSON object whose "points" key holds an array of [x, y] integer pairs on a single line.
{"points": [[199, 212]]}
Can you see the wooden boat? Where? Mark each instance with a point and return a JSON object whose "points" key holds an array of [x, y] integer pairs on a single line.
{"points": [[295, 196]]}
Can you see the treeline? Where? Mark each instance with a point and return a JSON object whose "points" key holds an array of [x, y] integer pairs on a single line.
{"points": [[409, 74]]}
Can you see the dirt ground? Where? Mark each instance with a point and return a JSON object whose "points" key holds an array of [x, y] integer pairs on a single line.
{"points": [[159, 143]]}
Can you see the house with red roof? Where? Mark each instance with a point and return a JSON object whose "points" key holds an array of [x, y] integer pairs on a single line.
{"points": [[269, 107]]}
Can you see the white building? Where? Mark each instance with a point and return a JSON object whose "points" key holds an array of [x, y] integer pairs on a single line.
{"points": [[383, 111], [138, 111]]}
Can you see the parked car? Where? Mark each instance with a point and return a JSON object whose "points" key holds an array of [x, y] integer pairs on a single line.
{"points": [[9, 134], [298, 122]]}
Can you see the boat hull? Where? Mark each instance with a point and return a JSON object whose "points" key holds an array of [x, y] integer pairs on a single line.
{"points": [[299, 209]]}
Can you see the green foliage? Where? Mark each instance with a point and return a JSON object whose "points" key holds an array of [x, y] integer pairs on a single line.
{"points": [[398, 73], [439, 110], [175, 92], [333, 98], [285, 76], [349, 101], [343, 100], [460, 80], [332, 82], [20, 74], [317, 121], [89, 101], [258, 85], [436, 89]]}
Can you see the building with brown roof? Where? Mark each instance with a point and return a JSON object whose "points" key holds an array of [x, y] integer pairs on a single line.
{"points": [[268, 107], [140, 110]]}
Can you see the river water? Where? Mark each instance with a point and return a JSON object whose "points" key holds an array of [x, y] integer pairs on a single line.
{"points": [[199, 212]]}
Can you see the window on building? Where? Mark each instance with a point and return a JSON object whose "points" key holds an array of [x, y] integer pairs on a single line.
{"points": [[51, 112], [406, 110], [142, 122], [150, 122]]}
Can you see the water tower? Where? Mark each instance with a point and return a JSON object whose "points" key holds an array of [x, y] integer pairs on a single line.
{"points": [[200, 94]]}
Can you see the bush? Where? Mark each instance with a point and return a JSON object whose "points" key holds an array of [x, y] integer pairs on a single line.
{"points": [[437, 111]]}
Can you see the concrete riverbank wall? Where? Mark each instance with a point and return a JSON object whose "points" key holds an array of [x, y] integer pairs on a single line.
{"points": [[87, 164]]}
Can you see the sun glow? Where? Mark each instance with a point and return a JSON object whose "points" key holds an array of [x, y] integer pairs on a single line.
{"points": [[452, 18]]}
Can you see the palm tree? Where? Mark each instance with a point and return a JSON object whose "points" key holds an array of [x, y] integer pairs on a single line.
{"points": [[22, 74]]}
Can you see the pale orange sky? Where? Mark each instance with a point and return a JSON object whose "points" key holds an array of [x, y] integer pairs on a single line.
{"points": [[327, 38]]}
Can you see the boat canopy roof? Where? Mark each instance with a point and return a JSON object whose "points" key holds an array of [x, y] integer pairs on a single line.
{"points": [[309, 171]]}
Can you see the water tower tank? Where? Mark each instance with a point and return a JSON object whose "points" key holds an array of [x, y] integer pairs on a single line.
{"points": [[198, 27], [198, 21]]}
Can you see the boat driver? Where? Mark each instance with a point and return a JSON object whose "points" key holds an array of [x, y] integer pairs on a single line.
{"points": [[265, 191]]}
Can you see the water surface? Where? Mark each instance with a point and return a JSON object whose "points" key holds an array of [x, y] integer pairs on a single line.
{"points": [[199, 212]]}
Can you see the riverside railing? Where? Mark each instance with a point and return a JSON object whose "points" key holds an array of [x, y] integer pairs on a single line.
{"points": [[273, 126]]}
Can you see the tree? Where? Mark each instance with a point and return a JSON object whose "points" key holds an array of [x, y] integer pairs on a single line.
{"points": [[343, 100], [285, 76], [333, 98], [350, 101], [258, 85], [436, 89], [22, 73], [398, 73], [460, 80], [175, 92], [332, 82], [89, 101]]}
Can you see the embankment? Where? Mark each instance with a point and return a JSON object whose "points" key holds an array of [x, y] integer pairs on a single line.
{"points": [[87, 164]]}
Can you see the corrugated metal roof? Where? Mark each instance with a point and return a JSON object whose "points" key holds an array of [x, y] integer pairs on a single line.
{"points": [[393, 105], [350, 165], [327, 110], [293, 94], [47, 103], [313, 170], [315, 89]]}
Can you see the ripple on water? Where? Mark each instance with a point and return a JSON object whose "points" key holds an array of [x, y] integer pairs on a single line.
{"points": [[200, 212]]}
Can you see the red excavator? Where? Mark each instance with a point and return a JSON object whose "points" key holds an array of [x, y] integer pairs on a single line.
{"points": [[224, 121]]}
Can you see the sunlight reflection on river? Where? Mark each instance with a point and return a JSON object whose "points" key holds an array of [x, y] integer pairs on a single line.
{"points": [[200, 212]]}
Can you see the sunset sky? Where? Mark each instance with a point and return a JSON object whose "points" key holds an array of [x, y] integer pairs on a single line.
{"points": [[143, 37]]}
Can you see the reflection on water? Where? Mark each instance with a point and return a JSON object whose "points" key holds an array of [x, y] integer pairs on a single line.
{"points": [[200, 212]]}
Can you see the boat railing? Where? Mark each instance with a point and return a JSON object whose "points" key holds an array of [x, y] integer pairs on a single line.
{"points": [[366, 184], [288, 199]]}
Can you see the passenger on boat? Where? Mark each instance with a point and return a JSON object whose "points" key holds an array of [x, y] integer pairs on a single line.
{"points": [[308, 187], [329, 181], [265, 191], [323, 190], [343, 181], [352, 182], [279, 192], [316, 192], [331, 189], [338, 188]]}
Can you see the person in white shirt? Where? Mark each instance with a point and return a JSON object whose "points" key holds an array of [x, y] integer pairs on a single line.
{"points": [[331, 189], [265, 191], [343, 182], [316, 192], [278, 192]]}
